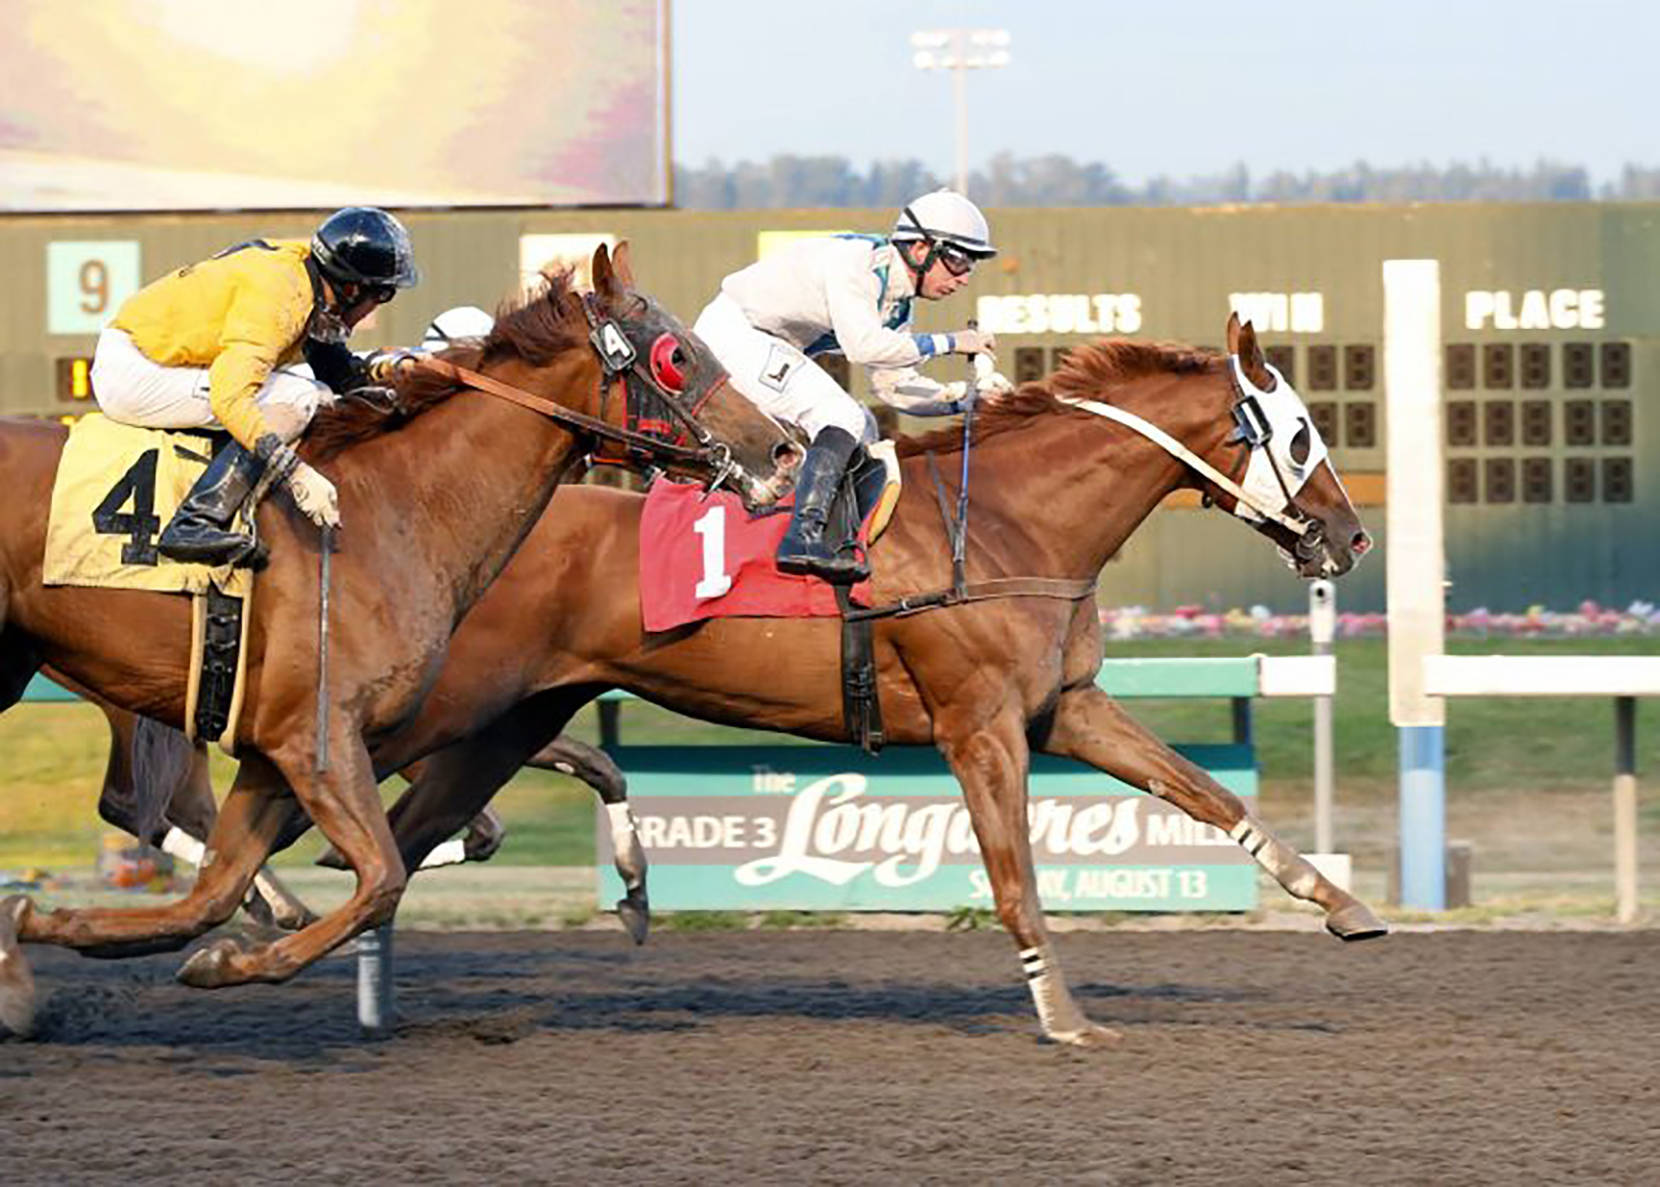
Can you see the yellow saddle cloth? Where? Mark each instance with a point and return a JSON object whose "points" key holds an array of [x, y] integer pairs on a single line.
{"points": [[117, 487]]}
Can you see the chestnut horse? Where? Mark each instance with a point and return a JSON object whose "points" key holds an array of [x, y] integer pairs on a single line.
{"points": [[1059, 483], [432, 512]]}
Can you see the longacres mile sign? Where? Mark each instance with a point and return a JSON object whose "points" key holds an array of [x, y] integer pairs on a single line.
{"points": [[829, 828]]}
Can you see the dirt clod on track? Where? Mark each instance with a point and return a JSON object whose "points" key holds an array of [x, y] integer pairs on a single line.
{"points": [[858, 1057]]}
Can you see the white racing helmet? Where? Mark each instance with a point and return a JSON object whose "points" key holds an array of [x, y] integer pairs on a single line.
{"points": [[452, 325], [945, 216]]}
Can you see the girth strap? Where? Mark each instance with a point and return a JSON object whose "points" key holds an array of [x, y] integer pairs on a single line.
{"points": [[861, 695], [1064, 589]]}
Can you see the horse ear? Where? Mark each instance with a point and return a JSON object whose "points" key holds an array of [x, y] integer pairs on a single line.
{"points": [[605, 281], [1251, 360], [1233, 333], [622, 263]]}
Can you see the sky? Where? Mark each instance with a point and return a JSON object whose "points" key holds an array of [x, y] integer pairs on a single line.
{"points": [[1177, 87]]}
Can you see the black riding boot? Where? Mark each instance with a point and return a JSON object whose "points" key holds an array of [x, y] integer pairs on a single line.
{"points": [[804, 548], [200, 530]]}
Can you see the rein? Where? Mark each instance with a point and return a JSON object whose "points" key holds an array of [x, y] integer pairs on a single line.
{"points": [[560, 414], [1252, 432], [956, 531], [716, 454], [1300, 527]]}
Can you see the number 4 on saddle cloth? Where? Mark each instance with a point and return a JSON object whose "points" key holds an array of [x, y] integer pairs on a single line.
{"points": [[707, 558], [117, 486]]}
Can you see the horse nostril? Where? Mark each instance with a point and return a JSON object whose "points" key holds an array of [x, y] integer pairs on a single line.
{"points": [[1361, 544], [786, 456]]}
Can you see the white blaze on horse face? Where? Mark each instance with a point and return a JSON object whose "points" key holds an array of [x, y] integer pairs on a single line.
{"points": [[1294, 444]]}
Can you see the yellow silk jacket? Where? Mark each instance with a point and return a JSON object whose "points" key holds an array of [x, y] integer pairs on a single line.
{"points": [[240, 313]]}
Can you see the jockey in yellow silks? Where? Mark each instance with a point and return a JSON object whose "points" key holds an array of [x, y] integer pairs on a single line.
{"points": [[212, 346], [852, 294]]}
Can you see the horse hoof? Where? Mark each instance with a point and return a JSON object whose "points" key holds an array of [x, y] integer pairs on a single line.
{"points": [[298, 919], [1088, 1035], [636, 917], [17, 982], [213, 966], [260, 911], [1355, 922]]}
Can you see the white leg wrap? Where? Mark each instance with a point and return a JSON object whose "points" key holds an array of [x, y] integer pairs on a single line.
{"points": [[277, 896], [628, 853], [183, 846], [1055, 1007], [451, 853], [1289, 868]]}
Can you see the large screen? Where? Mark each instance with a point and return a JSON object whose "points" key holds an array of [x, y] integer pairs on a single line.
{"points": [[250, 104]]}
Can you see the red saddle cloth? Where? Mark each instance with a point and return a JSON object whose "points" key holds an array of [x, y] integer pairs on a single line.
{"points": [[707, 558]]}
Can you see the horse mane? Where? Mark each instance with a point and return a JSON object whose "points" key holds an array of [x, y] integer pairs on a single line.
{"points": [[1084, 373], [536, 328]]}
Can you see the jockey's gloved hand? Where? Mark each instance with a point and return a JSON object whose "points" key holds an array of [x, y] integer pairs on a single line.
{"points": [[384, 367], [315, 495], [994, 383], [973, 342]]}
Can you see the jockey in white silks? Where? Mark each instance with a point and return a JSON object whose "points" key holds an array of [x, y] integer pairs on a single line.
{"points": [[853, 294]]}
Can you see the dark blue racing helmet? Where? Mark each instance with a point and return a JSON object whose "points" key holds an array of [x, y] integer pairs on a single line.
{"points": [[366, 246]]}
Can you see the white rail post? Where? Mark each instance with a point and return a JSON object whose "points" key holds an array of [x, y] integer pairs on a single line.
{"points": [[1416, 567], [1625, 809], [375, 1009], [1322, 625]]}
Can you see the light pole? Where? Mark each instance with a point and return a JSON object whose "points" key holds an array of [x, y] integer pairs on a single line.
{"points": [[960, 50]]}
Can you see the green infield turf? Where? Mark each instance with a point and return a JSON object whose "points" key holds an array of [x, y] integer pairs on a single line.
{"points": [[52, 756]]}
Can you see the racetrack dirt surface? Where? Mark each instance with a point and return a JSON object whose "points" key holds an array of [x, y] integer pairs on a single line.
{"points": [[859, 1057]]}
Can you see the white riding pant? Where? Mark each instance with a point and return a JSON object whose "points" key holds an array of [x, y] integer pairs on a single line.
{"points": [[132, 389], [777, 377]]}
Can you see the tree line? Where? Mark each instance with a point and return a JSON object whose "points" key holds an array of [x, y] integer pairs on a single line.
{"points": [[1057, 180]]}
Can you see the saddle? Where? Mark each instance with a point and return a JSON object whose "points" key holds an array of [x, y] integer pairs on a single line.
{"points": [[705, 556], [117, 486]]}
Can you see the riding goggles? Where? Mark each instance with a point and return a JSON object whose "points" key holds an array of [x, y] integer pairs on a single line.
{"points": [[957, 261]]}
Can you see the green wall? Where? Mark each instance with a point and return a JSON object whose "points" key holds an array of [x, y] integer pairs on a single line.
{"points": [[1160, 273]]}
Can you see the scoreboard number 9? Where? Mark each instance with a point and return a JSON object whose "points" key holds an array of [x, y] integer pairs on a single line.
{"points": [[86, 281]]}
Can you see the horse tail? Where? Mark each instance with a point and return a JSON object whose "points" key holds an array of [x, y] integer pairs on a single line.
{"points": [[162, 763], [19, 660]]}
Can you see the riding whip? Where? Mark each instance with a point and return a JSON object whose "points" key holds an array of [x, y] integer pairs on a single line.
{"points": [[323, 566], [971, 397]]}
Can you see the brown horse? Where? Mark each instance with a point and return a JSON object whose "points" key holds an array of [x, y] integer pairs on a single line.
{"points": [[1059, 482], [433, 511]]}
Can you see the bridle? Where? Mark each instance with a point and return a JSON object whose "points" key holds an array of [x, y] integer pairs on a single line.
{"points": [[641, 438], [1252, 430]]}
